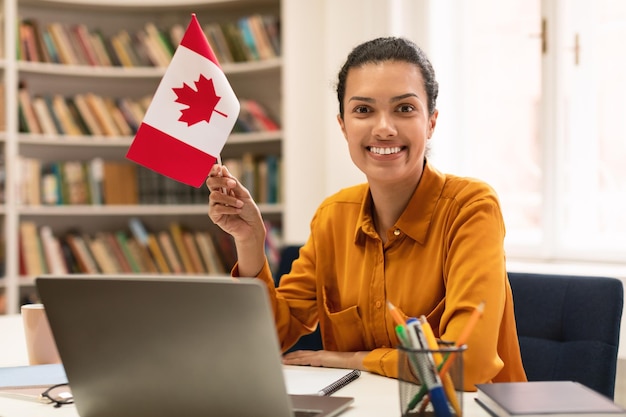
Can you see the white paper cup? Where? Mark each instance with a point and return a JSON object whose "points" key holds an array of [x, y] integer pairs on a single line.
{"points": [[40, 343]]}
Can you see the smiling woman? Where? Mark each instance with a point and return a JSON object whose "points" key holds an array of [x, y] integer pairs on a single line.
{"points": [[429, 243]]}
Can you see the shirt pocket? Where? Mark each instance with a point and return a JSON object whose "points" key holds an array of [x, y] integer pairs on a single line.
{"points": [[345, 329]]}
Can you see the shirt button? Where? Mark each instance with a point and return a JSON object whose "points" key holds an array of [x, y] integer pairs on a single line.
{"points": [[396, 232], [378, 304]]}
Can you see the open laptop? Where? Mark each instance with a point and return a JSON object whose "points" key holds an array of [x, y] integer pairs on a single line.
{"points": [[172, 346]]}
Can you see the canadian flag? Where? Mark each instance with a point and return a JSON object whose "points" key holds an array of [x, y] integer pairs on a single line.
{"points": [[191, 114]]}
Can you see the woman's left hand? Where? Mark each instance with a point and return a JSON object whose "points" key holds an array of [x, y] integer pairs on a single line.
{"points": [[326, 359]]}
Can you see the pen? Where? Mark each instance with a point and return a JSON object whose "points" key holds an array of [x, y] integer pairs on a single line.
{"points": [[428, 370], [448, 386], [402, 336], [395, 313]]}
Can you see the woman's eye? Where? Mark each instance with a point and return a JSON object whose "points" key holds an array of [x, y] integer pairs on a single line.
{"points": [[361, 109], [405, 108]]}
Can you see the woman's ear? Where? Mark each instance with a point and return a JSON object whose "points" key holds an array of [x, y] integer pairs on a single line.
{"points": [[342, 125], [432, 122]]}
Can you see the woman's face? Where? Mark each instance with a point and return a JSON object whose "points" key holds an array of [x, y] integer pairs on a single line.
{"points": [[386, 121]]}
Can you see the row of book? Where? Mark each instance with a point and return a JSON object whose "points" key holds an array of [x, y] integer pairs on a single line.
{"points": [[99, 182], [173, 250], [91, 114], [136, 250], [249, 38], [112, 182]]}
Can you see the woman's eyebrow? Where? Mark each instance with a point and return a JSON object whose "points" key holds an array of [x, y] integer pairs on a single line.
{"points": [[403, 96], [359, 98]]}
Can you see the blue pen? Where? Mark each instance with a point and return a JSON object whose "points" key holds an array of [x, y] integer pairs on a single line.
{"points": [[428, 370]]}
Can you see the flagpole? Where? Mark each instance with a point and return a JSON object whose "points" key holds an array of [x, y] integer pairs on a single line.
{"points": [[219, 162]]}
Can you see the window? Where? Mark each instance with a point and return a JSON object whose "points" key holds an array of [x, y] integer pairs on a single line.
{"points": [[542, 118]]}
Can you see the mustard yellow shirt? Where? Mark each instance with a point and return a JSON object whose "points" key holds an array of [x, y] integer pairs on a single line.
{"points": [[443, 257]]}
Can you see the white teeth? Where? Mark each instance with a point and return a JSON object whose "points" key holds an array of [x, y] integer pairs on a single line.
{"points": [[385, 151]]}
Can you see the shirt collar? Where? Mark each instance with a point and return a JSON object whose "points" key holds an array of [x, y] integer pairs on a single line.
{"points": [[416, 218]]}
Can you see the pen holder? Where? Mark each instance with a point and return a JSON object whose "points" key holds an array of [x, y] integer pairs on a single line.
{"points": [[422, 394]]}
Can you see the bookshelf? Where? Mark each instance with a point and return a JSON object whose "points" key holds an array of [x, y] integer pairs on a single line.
{"points": [[258, 80]]}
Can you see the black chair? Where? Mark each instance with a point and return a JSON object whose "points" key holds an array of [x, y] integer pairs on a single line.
{"points": [[568, 327], [312, 341]]}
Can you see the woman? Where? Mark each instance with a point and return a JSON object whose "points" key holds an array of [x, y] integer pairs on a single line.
{"points": [[429, 243]]}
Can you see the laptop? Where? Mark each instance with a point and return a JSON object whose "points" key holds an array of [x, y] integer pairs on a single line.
{"points": [[155, 346]]}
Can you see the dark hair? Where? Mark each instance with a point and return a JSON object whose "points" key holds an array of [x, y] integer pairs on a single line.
{"points": [[389, 49]]}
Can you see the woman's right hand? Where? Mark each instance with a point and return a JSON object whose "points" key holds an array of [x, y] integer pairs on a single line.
{"points": [[232, 208]]}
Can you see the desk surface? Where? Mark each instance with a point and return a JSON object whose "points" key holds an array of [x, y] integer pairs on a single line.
{"points": [[374, 395]]}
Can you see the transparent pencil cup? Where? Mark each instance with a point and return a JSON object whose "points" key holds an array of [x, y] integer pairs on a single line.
{"points": [[424, 394]]}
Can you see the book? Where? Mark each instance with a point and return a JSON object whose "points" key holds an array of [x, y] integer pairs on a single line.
{"points": [[261, 38], [142, 237], [123, 128], [41, 48], [31, 249], [44, 117], [209, 253], [84, 258], [77, 117], [95, 176], [87, 115], [176, 231], [100, 49], [31, 376], [309, 381], [104, 118], [75, 184], [120, 183], [62, 44], [49, 46], [83, 41], [62, 111], [26, 105], [103, 257], [193, 251], [134, 263], [157, 253], [52, 251], [545, 398], [114, 247], [28, 43], [165, 240], [218, 42]]}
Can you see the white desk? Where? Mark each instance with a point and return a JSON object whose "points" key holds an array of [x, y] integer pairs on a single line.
{"points": [[374, 395]]}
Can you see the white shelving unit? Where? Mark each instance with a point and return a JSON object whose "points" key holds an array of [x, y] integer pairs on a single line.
{"points": [[259, 80]]}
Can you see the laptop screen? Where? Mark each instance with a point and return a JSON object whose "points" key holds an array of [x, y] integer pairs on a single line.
{"points": [[164, 346]]}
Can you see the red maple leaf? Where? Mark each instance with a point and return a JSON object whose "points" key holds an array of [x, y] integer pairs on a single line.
{"points": [[201, 102]]}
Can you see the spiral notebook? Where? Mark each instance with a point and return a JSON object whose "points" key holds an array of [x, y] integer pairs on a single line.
{"points": [[161, 346], [303, 380]]}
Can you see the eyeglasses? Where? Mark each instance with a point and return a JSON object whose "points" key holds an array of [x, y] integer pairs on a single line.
{"points": [[58, 395]]}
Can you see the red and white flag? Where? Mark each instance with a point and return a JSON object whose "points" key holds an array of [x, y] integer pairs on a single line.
{"points": [[191, 114]]}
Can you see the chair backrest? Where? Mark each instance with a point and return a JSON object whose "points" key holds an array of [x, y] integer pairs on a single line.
{"points": [[288, 254], [568, 327]]}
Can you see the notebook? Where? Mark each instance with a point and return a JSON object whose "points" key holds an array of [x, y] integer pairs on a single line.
{"points": [[546, 399], [165, 346]]}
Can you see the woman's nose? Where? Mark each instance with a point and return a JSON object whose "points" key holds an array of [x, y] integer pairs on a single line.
{"points": [[384, 126]]}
